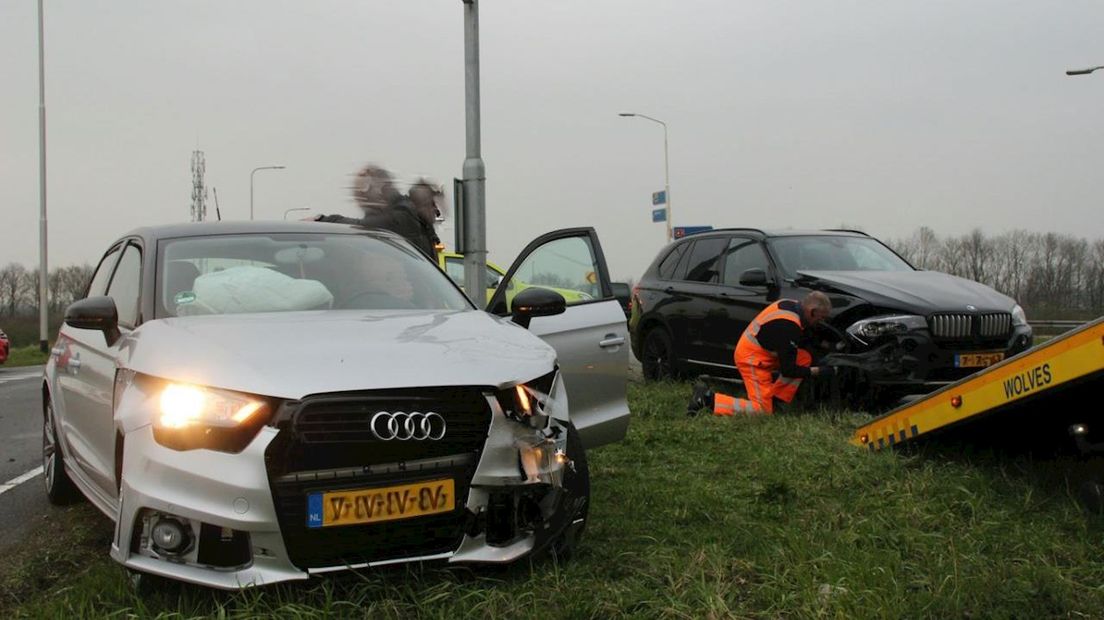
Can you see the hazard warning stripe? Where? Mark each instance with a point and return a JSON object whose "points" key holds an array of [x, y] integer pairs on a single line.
{"points": [[1064, 359]]}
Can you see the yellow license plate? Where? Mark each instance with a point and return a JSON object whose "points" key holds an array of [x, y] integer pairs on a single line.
{"points": [[359, 506], [977, 360]]}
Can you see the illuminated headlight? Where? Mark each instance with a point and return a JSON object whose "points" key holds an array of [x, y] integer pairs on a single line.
{"points": [[525, 402], [1019, 318], [182, 406], [191, 416], [869, 330]]}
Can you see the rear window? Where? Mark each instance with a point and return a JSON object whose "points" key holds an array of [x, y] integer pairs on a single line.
{"points": [[667, 267], [705, 260]]}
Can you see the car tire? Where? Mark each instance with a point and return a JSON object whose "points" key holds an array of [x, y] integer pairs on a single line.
{"points": [[577, 488], [657, 356], [59, 487]]}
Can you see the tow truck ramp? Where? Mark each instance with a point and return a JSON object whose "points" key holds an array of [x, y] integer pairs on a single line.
{"points": [[1051, 393]]}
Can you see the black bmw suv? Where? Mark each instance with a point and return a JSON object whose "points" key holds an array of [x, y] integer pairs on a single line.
{"points": [[903, 330]]}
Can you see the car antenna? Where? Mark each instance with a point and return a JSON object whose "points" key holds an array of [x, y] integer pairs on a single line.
{"points": [[218, 214]]}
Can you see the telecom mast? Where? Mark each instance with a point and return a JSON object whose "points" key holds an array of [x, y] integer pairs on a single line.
{"points": [[199, 188]]}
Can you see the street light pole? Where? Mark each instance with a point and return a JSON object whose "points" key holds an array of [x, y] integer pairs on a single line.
{"points": [[251, 183], [1083, 71], [666, 166], [43, 272], [475, 215]]}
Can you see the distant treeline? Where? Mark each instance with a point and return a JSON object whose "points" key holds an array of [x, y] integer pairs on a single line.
{"points": [[19, 298], [1052, 276]]}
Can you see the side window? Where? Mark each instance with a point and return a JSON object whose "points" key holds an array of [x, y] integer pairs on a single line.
{"points": [[125, 286], [454, 267], [567, 266], [98, 285], [705, 260], [667, 267], [743, 254]]}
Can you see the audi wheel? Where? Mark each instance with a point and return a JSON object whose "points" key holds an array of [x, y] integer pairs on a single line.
{"points": [[59, 488], [658, 356]]}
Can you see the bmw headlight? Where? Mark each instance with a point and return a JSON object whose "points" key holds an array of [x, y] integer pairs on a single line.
{"points": [[867, 331], [1019, 318], [191, 416]]}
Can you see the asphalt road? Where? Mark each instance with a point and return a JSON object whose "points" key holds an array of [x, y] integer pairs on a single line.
{"points": [[20, 451]]}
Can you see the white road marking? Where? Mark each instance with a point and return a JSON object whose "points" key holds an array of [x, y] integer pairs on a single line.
{"points": [[20, 376], [18, 480]]}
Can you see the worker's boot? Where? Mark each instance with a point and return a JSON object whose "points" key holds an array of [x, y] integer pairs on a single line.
{"points": [[701, 398]]}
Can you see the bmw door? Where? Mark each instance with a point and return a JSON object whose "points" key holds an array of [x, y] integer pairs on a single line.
{"points": [[744, 294], [590, 337]]}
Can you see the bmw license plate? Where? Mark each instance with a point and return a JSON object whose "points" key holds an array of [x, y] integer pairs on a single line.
{"points": [[977, 360], [357, 506]]}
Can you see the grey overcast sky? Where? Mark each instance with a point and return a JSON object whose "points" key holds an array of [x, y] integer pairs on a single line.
{"points": [[882, 114]]}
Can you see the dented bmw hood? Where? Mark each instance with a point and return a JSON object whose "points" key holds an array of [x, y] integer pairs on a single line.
{"points": [[915, 292], [295, 354]]}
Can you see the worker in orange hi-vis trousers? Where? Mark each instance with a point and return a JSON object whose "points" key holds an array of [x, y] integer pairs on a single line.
{"points": [[770, 358]]}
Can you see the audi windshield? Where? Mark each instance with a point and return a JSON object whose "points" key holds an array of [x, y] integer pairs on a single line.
{"points": [[232, 274], [834, 253]]}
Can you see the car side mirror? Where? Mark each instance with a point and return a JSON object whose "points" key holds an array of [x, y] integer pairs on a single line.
{"points": [[536, 301], [623, 295], [754, 277], [97, 313]]}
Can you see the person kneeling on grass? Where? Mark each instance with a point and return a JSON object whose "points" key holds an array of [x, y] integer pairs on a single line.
{"points": [[771, 358]]}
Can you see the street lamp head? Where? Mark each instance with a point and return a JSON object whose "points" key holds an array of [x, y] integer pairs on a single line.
{"points": [[626, 114], [278, 167], [1082, 71]]}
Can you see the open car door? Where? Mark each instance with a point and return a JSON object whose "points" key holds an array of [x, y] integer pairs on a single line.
{"points": [[590, 337]]}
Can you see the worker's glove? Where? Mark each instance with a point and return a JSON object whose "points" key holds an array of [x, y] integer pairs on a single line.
{"points": [[826, 371]]}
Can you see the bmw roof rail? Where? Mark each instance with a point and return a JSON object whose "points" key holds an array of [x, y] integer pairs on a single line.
{"points": [[848, 230], [747, 228]]}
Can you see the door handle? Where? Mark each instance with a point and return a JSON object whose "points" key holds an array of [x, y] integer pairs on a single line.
{"points": [[669, 290], [612, 341]]}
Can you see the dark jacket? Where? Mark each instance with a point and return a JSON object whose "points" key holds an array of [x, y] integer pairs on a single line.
{"points": [[399, 218]]}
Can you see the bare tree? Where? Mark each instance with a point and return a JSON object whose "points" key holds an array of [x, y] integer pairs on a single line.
{"points": [[12, 279]]}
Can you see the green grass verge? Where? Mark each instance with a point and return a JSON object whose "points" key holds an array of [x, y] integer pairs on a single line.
{"points": [[25, 356], [691, 518]]}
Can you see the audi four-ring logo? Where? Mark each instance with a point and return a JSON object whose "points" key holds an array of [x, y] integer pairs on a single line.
{"points": [[403, 426]]}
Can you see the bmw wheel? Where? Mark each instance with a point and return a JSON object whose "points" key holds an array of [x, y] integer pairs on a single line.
{"points": [[59, 488], [658, 356]]}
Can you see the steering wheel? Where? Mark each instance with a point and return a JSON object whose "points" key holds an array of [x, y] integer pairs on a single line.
{"points": [[375, 300]]}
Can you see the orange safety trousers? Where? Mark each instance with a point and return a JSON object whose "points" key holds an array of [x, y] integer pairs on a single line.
{"points": [[757, 368]]}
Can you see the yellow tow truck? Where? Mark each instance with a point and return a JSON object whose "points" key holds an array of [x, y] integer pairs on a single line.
{"points": [[1049, 393]]}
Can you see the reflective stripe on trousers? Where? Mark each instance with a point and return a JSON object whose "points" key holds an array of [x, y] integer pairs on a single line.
{"points": [[762, 389]]}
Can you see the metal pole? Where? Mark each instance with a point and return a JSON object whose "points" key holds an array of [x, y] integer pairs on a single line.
{"points": [[43, 272], [475, 232], [667, 182], [666, 167], [251, 184]]}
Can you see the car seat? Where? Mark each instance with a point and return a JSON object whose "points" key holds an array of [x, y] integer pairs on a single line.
{"points": [[179, 277]]}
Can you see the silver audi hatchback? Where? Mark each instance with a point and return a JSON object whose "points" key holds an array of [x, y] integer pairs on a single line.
{"points": [[258, 402]]}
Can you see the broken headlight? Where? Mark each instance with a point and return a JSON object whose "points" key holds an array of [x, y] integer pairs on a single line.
{"points": [[526, 402], [869, 330]]}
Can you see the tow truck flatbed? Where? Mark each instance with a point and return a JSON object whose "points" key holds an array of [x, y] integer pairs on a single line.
{"points": [[1049, 391]]}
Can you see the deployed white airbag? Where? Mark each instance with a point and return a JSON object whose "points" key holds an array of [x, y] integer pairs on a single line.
{"points": [[251, 289]]}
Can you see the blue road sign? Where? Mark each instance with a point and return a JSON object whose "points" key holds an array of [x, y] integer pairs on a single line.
{"points": [[659, 198], [659, 215], [683, 231]]}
